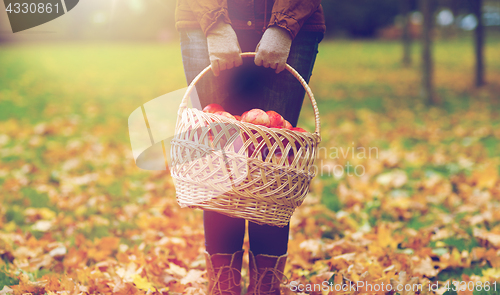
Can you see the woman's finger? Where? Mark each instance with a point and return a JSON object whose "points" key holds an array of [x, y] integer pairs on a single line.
{"points": [[238, 62], [258, 60], [229, 65], [223, 65], [280, 68]]}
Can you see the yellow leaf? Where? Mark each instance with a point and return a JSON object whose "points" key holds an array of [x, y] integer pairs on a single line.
{"points": [[80, 210], [302, 272], [10, 226], [46, 213], [385, 237], [487, 177], [142, 283], [493, 273]]}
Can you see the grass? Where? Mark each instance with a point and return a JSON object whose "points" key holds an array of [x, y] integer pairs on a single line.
{"points": [[99, 83], [369, 74], [112, 79]]}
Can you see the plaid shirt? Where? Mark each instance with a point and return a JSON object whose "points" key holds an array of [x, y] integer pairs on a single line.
{"points": [[292, 15]]}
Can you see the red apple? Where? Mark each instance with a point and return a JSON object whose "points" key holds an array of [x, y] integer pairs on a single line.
{"points": [[213, 108], [237, 117], [298, 129], [275, 119], [225, 114], [256, 116], [287, 124]]}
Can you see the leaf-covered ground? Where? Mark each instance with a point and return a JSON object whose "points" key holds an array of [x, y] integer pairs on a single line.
{"points": [[422, 199]]}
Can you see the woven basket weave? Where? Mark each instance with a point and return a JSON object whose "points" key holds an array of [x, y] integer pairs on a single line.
{"points": [[240, 169]]}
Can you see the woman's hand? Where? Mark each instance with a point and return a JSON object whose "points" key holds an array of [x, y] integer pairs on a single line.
{"points": [[223, 47], [273, 48]]}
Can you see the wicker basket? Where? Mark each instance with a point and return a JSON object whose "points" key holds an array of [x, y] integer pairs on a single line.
{"points": [[240, 169]]}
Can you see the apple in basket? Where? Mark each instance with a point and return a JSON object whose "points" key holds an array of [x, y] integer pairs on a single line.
{"points": [[213, 108], [298, 129], [275, 119], [287, 124], [225, 114], [257, 117]]}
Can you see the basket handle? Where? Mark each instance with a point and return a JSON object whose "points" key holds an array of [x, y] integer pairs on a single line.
{"points": [[317, 130]]}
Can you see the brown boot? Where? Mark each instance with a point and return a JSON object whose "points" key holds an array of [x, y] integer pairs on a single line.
{"points": [[266, 274], [224, 273]]}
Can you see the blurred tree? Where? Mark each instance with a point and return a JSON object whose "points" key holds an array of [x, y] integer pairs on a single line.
{"points": [[427, 90], [406, 37], [359, 18], [479, 42], [448, 8], [110, 20]]}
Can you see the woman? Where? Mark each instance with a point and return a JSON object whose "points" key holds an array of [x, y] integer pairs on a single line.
{"points": [[215, 32]]}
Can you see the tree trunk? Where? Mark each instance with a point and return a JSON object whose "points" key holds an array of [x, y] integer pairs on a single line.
{"points": [[479, 43], [427, 90], [454, 7], [406, 37]]}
